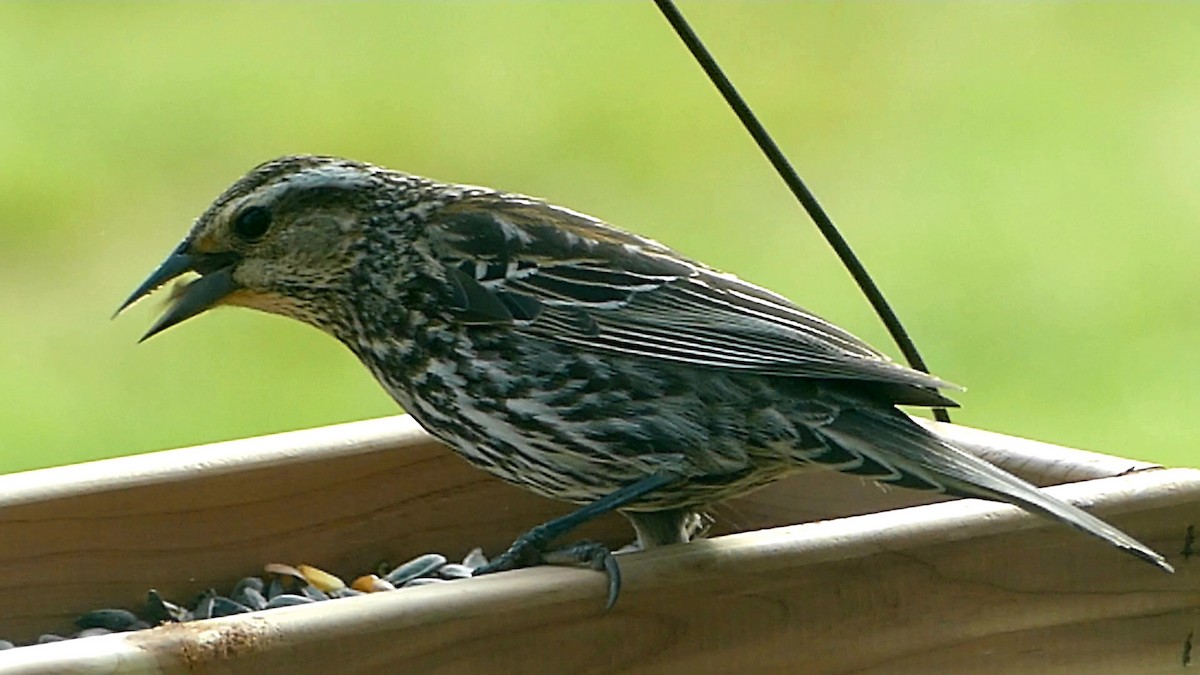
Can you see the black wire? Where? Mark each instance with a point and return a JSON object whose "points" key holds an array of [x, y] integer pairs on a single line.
{"points": [[799, 189]]}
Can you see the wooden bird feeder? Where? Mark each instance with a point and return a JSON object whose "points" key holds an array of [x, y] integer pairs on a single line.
{"points": [[873, 581]]}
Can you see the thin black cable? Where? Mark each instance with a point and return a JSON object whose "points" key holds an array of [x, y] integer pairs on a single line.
{"points": [[799, 189]]}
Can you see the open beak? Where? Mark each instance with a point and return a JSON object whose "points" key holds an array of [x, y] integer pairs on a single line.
{"points": [[216, 282]]}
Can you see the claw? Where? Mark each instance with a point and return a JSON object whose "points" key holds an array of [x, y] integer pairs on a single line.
{"points": [[595, 555], [526, 552], [614, 580]]}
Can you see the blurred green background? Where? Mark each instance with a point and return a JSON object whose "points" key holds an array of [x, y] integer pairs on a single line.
{"points": [[1022, 179]]}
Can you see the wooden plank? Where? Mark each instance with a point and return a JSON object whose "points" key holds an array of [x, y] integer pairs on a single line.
{"points": [[101, 534], [342, 497], [957, 587]]}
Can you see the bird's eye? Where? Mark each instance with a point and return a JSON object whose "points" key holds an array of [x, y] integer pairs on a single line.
{"points": [[252, 223]]}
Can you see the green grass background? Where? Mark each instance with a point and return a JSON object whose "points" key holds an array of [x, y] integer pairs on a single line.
{"points": [[1022, 178]]}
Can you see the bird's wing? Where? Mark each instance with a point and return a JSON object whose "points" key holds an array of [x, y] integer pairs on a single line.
{"points": [[562, 276]]}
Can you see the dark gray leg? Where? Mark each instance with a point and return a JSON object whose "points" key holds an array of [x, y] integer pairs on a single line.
{"points": [[531, 547]]}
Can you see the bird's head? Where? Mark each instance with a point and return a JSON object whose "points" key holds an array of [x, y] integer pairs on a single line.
{"points": [[284, 239]]}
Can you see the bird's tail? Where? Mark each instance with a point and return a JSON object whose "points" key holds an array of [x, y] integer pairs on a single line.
{"points": [[902, 452]]}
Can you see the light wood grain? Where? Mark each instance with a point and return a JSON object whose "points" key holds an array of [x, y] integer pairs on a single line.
{"points": [[980, 587]]}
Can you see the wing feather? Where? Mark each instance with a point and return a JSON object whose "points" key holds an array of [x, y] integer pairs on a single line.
{"points": [[581, 282]]}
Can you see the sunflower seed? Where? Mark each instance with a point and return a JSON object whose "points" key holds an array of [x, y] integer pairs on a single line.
{"points": [[417, 567]]}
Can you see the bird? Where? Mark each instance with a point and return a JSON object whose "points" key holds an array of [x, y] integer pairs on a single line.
{"points": [[577, 360]]}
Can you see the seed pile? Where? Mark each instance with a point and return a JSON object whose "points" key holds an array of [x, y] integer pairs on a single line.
{"points": [[279, 586]]}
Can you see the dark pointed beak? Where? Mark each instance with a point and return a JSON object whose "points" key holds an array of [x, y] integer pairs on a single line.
{"points": [[216, 282]]}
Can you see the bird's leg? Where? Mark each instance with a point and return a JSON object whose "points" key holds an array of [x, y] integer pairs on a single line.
{"points": [[662, 528], [530, 548]]}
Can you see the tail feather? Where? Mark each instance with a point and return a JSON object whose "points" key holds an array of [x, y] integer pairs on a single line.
{"points": [[889, 438]]}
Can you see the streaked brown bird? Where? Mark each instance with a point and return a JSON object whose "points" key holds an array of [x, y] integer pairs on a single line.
{"points": [[561, 354]]}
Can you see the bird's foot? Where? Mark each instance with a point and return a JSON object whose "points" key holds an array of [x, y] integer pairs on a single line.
{"points": [[597, 556], [529, 550], [524, 552]]}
